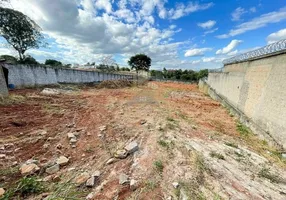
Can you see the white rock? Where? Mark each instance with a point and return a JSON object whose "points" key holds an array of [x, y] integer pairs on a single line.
{"points": [[175, 185], [73, 140], [71, 135], [90, 196], [96, 174], [29, 169], [110, 161], [90, 182], [121, 154], [62, 160], [30, 161], [53, 169], [102, 128], [133, 184], [123, 178], [132, 147], [50, 91]]}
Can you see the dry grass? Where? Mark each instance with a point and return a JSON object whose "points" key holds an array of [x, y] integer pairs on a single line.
{"points": [[12, 99]]}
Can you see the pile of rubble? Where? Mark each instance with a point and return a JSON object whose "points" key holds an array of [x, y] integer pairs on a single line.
{"points": [[113, 84]]}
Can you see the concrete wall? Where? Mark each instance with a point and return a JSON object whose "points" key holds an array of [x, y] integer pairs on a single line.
{"points": [[3, 86], [258, 89], [29, 76]]}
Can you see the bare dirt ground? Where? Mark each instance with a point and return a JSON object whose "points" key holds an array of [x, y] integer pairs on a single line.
{"points": [[190, 147]]}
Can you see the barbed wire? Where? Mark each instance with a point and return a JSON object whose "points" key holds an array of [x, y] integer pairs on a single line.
{"points": [[264, 51]]}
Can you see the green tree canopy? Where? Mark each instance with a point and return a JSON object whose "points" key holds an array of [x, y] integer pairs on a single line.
{"points": [[53, 63], [20, 31], [140, 62]]}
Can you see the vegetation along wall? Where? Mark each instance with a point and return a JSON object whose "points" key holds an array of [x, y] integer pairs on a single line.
{"points": [[258, 89], [3, 86], [29, 76]]}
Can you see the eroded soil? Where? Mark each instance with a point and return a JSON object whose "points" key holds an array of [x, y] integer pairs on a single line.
{"points": [[183, 135]]}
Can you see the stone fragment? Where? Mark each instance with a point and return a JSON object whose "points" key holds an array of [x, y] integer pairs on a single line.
{"points": [[90, 196], [283, 155], [121, 154], [102, 128], [90, 182], [29, 169], [42, 132], [143, 121], [123, 178], [132, 147], [71, 135], [96, 174], [31, 161], [82, 178], [175, 185], [50, 91], [62, 160], [2, 192], [53, 169], [73, 140], [133, 184], [110, 161], [56, 178], [2, 156]]}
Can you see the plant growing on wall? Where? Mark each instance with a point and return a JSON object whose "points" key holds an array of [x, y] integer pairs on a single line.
{"points": [[20, 31]]}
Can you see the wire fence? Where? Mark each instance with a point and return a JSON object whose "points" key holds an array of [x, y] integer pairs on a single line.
{"points": [[274, 48]]}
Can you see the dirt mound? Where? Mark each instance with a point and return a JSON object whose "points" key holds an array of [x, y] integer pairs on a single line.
{"points": [[112, 84]]}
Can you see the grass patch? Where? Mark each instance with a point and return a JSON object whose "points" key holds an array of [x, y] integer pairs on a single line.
{"points": [[163, 143], [201, 164], [158, 164], [12, 99], [243, 130], [230, 144], [217, 155], [170, 119], [89, 149], [265, 173], [191, 189], [26, 186], [9, 171], [151, 185], [52, 108]]}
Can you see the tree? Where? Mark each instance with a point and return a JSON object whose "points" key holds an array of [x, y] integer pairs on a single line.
{"points": [[140, 62], [53, 63], [20, 31]]}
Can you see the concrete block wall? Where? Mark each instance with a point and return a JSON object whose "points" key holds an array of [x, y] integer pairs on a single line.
{"points": [[3, 86], [29, 76], [258, 89]]}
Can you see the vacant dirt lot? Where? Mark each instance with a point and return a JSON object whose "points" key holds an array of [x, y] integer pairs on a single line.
{"points": [[189, 147]]}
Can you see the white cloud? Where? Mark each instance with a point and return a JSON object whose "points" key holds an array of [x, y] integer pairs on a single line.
{"points": [[275, 37], [210, 31], [207, 25], [237, 13], [232, 45], [196, 52], [208, 59], [253, 10], [256, 23], [183, 10]]}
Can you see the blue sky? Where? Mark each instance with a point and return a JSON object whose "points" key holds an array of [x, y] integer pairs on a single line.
{"points": [[175, 34]]}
